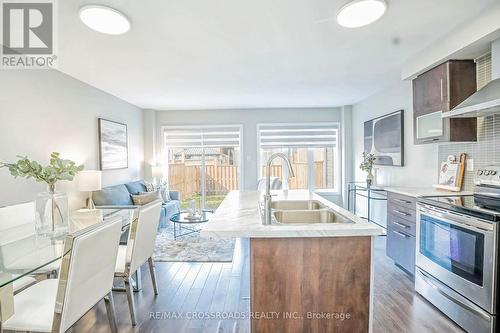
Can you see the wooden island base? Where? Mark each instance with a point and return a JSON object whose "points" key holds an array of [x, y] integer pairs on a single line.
{"points": [[310, 284]]}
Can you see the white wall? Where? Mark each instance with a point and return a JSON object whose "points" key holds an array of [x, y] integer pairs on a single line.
{"points": [[420, 161], [249, 118], [44, 111], [467, 41]]}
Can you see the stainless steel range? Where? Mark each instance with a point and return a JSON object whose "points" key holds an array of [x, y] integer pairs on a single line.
{"points": [[457, 253]]}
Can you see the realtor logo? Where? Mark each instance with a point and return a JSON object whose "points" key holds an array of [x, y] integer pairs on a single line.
{"points": [[27, 34]]}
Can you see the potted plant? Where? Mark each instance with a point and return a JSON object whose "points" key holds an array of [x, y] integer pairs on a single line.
{"points": [[367, 166], [52, 214]]}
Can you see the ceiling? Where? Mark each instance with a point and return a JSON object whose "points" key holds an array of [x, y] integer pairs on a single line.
{"points": [[198, 54]]}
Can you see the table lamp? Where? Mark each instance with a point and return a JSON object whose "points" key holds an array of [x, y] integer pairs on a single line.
{"points": [[157, 173], [89, 181]]}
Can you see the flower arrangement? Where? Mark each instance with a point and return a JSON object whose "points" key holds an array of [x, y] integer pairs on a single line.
{"points": [[57, 170], [52, 214], [367, 166]]}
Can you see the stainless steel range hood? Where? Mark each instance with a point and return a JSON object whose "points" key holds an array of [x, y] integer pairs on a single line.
{"points": [[487, 100], [484, 102]]}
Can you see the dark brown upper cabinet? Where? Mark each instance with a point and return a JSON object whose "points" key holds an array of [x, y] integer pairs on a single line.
{"points": [[440, 90]]}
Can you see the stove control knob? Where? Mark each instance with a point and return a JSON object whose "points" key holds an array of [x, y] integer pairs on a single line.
{"points": [[493, 172], [486, 172], [479, 172]]}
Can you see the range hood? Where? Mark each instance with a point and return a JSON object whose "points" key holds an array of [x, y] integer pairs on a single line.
{"points": [[486, 101]]}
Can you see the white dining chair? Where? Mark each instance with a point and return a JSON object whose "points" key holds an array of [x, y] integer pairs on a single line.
{"points": [[139, 249], [86, 277]]}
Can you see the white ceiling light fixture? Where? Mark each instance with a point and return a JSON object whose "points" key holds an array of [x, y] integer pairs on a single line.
{"points": [[104, 19], [359, 13]]}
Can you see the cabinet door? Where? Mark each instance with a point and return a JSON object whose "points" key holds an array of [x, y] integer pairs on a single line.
{"points": [[401, 248], [430, 90], [429, 126]]}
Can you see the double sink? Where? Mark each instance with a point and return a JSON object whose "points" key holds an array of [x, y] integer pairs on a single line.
{"points": [[304, 212]]}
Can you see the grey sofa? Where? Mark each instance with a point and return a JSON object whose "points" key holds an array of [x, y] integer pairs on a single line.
{"points": [[121, 195]]}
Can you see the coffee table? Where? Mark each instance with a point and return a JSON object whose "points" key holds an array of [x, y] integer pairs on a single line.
{"points": [[184, 226]]}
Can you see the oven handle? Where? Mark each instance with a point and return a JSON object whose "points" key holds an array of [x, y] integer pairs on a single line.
{"points": [[457, 219], [441, 290]]}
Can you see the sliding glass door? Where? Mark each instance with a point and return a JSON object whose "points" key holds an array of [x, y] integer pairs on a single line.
{"points": [[203, 162]]}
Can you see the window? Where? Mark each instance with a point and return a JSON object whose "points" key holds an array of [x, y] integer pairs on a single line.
{"points": [[203, 162], [312, 150]]}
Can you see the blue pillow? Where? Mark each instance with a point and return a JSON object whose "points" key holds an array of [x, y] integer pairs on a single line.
{"points": [[136, 187]]}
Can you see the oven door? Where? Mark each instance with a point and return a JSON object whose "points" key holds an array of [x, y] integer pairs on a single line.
{"points": [[459, 251]]}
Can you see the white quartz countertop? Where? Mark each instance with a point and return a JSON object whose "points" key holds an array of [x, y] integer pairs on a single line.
{"points": [[418, 192], [239, 216]]}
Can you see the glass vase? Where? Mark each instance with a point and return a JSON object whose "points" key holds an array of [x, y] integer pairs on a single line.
{"points": [[52, 213], [369, 179]]}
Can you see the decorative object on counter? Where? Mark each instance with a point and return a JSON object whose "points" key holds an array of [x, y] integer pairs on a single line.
{"points": [[89, 181], [384, 138], [52, 215], [113, 145], [451, 173], [367, 166]]}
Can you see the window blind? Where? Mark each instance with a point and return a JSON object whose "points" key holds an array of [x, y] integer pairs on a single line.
{"points": [[483, 64], [298, 135], [202, 137]]}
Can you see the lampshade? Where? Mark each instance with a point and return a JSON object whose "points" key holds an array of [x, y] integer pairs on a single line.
{"points": [[89, 180], [157, 172]]}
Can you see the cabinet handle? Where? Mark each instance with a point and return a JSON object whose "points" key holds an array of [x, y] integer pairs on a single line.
{"points": [[400, 212], [401, 224], [402, 201], [400, 234], [430, 140], [441, 90]]}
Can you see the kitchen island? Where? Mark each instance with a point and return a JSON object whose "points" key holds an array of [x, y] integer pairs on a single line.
{"points": [[310, 274]]}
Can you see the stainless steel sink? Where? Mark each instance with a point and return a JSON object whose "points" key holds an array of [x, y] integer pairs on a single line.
{"points": [[308, 216], [297, 205]]}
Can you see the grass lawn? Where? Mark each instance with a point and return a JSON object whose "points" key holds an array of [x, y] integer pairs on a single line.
{"points": [[212, 201]]}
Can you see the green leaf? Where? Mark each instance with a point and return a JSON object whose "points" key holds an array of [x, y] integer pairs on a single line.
{"points": [[58, 169]]}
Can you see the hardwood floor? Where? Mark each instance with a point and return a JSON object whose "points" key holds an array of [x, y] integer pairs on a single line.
{"points": [[222, 288], [397, 307]]}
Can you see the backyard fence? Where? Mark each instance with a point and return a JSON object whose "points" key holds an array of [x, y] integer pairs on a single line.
{"points": [[221, 179], [300, 170], [186, 179]]}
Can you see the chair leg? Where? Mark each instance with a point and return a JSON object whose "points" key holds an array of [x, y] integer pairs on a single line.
{"points": [[137, 278], [153, 274], [130, 298], [110, 309]]}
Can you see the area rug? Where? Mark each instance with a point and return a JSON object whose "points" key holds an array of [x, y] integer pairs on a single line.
{"points": [[192, 248]]}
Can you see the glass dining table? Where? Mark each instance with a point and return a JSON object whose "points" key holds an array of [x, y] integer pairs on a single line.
{"points": [[23, 254]]}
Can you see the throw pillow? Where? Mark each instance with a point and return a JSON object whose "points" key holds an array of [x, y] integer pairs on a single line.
{"points": [[150, 187], [144, 198]]}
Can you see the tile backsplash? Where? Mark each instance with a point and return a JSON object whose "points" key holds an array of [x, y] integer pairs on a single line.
{"points": [[485, 151]]}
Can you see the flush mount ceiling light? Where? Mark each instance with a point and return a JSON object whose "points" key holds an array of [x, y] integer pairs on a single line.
{"points": [[359, 13], [104, 19]]}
